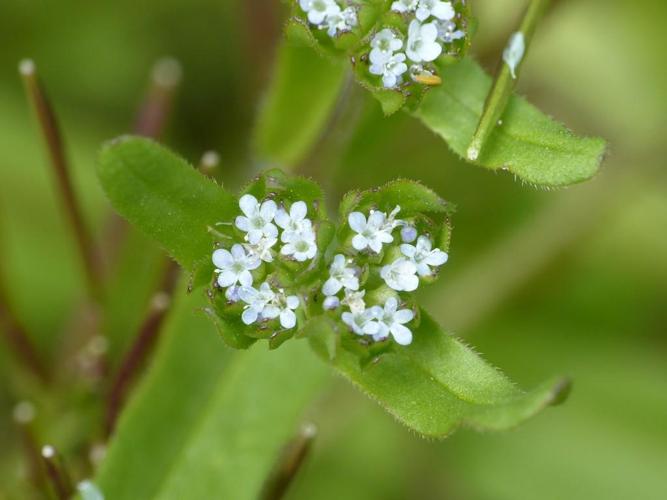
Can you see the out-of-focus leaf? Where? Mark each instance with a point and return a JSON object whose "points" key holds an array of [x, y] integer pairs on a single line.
{"points": [[303, 92], [208, 422], [437, 384], [527, 143], [165, 197]]}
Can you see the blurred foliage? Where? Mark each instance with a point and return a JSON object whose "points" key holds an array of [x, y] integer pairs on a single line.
{"points": [[542, 282]]}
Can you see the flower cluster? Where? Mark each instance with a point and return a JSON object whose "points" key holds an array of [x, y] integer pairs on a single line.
{"points": [[264, 224], [328, 14], [431, 25], [401, 273]]}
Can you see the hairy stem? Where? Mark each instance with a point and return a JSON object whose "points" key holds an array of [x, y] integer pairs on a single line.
{"points": [[506, 77]]}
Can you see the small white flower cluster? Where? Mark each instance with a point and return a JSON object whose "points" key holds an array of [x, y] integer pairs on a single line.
{"points": [[401, 275], [327, 14], [423, 44], [258, 222]]}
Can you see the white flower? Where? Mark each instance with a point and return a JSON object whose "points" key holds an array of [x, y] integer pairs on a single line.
{"points": [[318, 10], [262, 249], [257, 221], [404, 5], [235, 266], [422, 44], [301, 247], [390, 70], [362, 322], [423, 256], [384, 44], [391, 320], [331, 303], [293, 222], [338, 20], [401, 275], [340, 276], [447, 31], [354, 300], [408, 234], [435, 8], [258, 303], [284, 309], [371, 232]]}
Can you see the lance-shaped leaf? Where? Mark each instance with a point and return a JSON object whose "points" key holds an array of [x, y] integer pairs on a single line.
{"points": [[436, 384], [526, 142], [299, 101], [208, 422], [164, 197]]}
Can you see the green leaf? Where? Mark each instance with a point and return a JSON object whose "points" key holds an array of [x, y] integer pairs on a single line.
{"points": [[208, 422], [527, 143], [437, 384], [301, 97], [164, 197]]}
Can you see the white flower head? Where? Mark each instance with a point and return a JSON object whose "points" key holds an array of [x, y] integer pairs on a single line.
{"points": [[258, 303], [391, 320], [371, 233], [401, 275], [362, 322], [422, 42], [403, 6], [257, 218], [301, 247], [340, 276], [262, 249], [391, 70], [436, 8], [294, 222], [383, 46], [424, 256], [235, 266], [340, 21], [318, 10], [447, 31]]}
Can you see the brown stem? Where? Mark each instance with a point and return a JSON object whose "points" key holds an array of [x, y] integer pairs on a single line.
{"points": [[19, 340], [289, 464], [57, 473], [155, 111], [56, 150], [135, 358], [24, 415]]}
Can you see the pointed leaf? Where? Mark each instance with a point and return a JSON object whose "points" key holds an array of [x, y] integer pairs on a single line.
{"points": [[165, 197], [303, 93], [437, 384], [208, 422], [527, 143]]}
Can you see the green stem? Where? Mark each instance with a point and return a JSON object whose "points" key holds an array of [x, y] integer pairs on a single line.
{"points": [[507, 76]]}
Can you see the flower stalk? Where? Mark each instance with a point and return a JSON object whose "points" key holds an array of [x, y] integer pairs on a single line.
{"points": [[57, 473], [56, 151], [506, 77]]}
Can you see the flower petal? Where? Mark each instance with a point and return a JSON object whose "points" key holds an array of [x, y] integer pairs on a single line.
{"points": [[282, 218], [245, 278], [292, 301], [402, 335], [227, 278], [359, 242], [404, 316], [238, 252], [248, 204], [298, 210], [222, 258], [331, 287], [249, 315], [287, 319], [243, 223], [357, 221], [268, 210]]}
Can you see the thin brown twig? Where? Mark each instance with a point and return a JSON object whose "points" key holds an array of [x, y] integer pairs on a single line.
{"points": [[56, 473], [289, 464], [58, 159], [19, 340]]}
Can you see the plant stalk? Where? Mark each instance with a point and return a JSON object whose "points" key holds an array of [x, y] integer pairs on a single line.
{"points": [[506, 77], [56, 151], [57, 474]]}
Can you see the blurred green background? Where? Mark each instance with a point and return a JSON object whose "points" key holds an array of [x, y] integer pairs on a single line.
{"points": [[572, 281]]}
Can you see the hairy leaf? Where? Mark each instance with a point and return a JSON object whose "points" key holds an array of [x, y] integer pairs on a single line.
{"points": [[302, 95], [208, 422], [436, 384], [165, 197], [527, 143]]}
